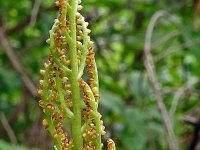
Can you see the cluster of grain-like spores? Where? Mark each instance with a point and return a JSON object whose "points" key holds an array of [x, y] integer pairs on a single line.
{"points": [[70, 62]]}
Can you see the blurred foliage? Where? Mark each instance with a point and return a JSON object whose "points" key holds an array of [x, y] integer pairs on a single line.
{"points": [[118, 29], [7, 146]]}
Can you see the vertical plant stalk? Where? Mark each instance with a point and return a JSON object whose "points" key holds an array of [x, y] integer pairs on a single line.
{"points": [[76, 122], [150, 67], [70, 61]]}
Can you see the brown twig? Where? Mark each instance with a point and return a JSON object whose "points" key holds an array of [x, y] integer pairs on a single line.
{"points": [[34, 12], [195, 14], [182, 90], [16, 64], [191, 120], [18, 109], [21, 25], [174, 49], [34, 44], [196, 124], [166, 38], [9, 130], [18, 27], [150, 67]]}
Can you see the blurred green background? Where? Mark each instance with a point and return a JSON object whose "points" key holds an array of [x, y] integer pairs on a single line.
{"points": [[128, 104]]}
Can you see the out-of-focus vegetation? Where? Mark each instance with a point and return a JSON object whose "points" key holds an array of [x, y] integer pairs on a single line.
{"points": [[128, 104]]}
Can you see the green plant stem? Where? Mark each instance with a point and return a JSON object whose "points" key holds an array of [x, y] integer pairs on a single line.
{"points": [[61, 97], [98, 128], [96, 115], [85, 49], [48, 113], [76, 120]]}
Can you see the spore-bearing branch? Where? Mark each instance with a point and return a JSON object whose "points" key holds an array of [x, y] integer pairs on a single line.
{"points": [[71, 58]]}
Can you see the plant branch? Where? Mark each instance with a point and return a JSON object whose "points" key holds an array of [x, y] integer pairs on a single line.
{"points": [[21, 25], [196, 125], [76, 121], [188, 85], [166, 38], [85, 48], [8, 129], [175, 49], [34, 12], [150, 67], [34, 44], [16, 64]]}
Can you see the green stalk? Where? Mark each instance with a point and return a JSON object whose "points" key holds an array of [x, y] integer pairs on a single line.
{"points": [[85, 49], [96, 116], [76, 120]]}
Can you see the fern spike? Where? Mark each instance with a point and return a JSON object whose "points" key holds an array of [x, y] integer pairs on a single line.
{"points": [[69, 101]]}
